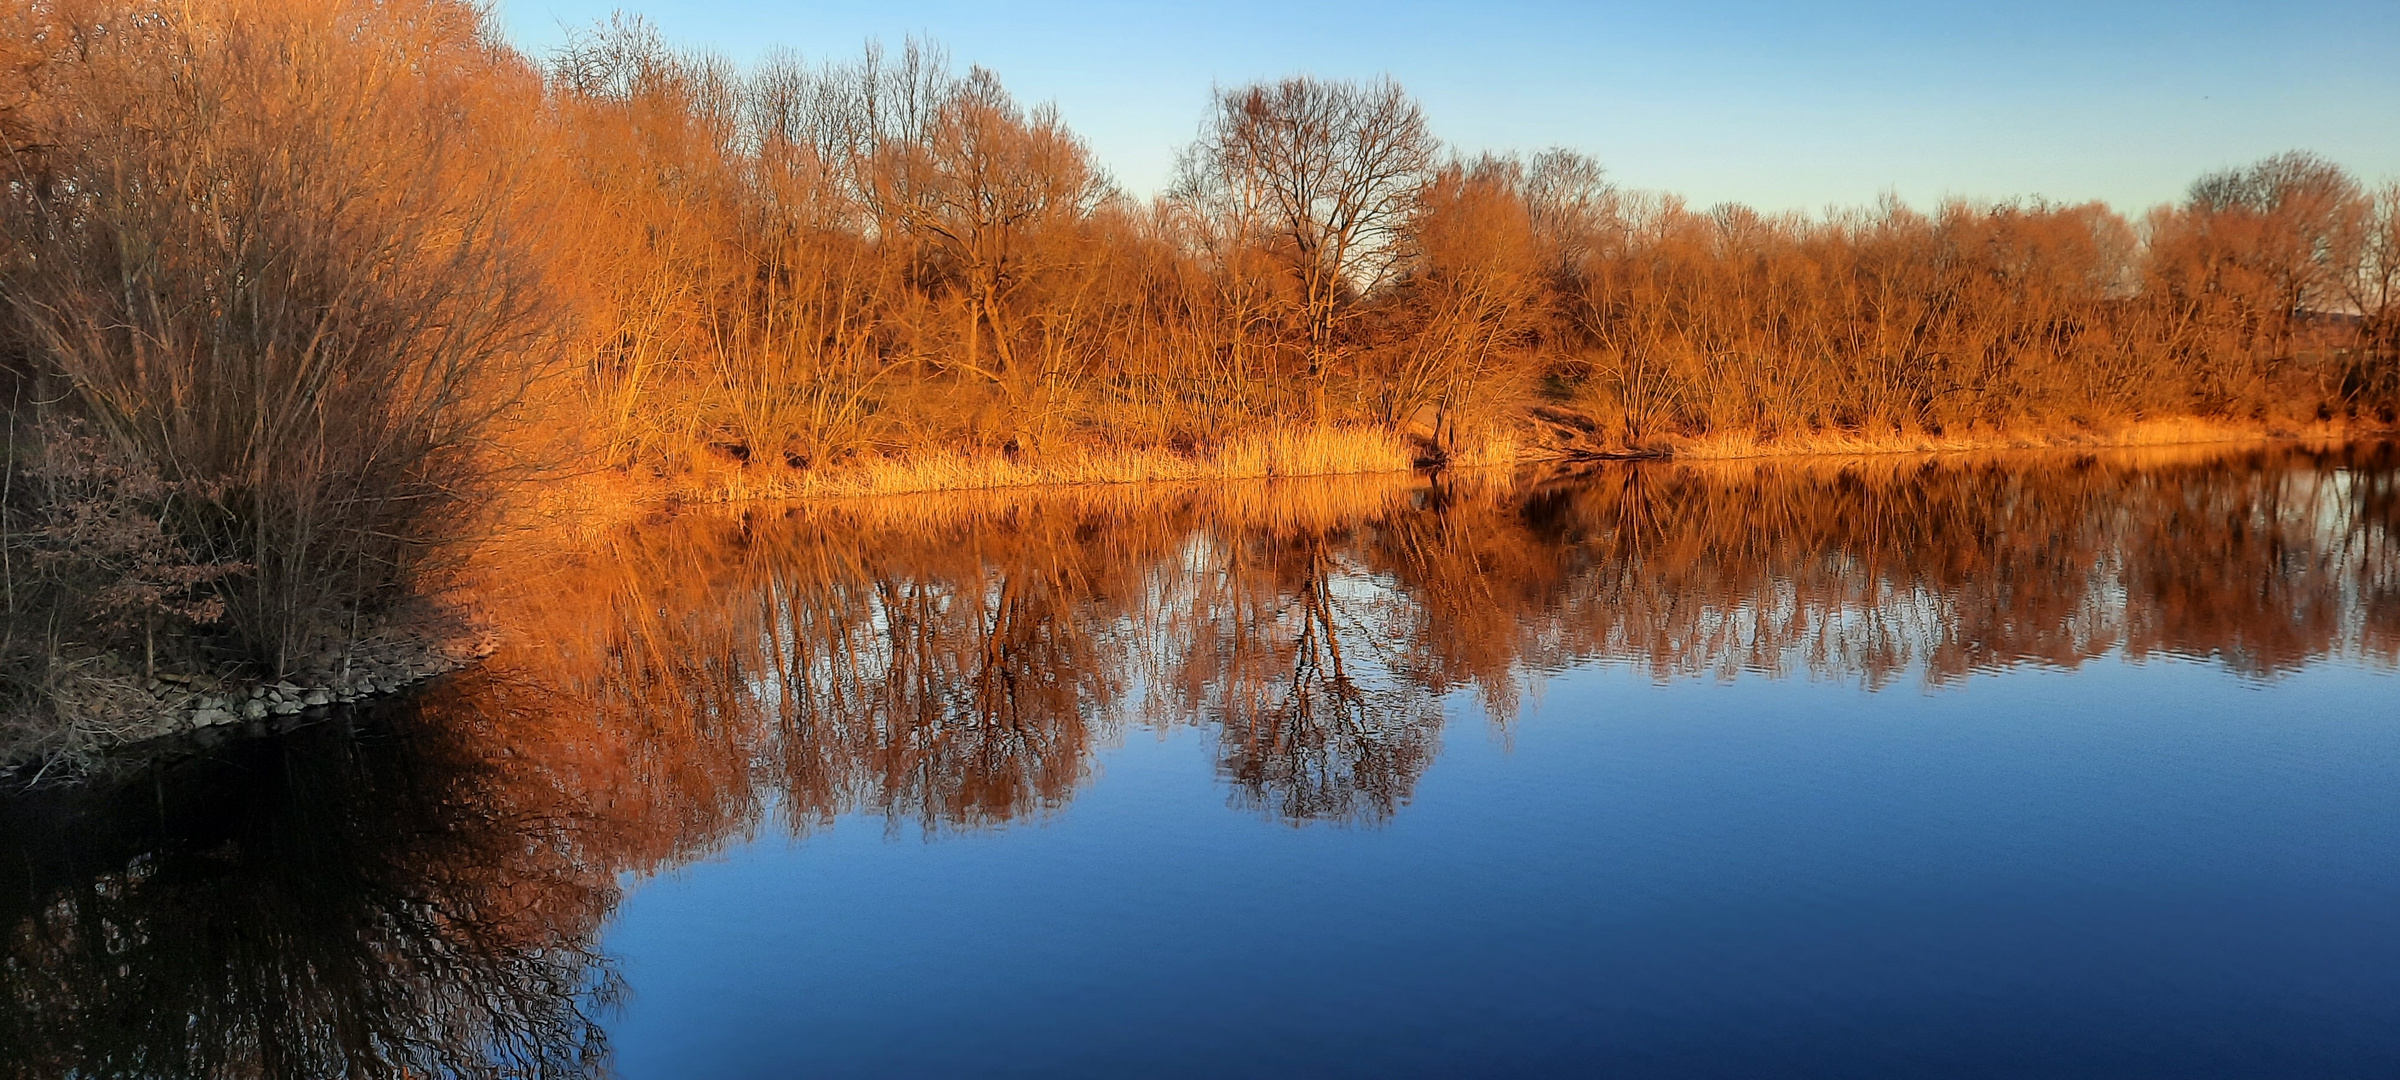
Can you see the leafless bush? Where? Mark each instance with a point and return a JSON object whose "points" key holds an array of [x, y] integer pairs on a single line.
{"points": [[263, 251]]}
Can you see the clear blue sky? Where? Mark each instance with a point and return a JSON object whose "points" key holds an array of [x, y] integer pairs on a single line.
{"points": [[1783, 106]]}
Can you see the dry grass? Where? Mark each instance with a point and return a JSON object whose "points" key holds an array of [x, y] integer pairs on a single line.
{"points": [[1735, 445], [1490, 449], [589, 504], [1893, 466], [1301, 475], [1325, 451]]}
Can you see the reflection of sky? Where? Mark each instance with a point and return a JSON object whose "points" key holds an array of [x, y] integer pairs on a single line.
{"points": [[2127, 870], [1781, 105]]}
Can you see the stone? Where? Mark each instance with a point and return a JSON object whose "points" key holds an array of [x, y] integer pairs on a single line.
{"points": [[285, 707], [316, 697], [211, 717], [254, 709]]}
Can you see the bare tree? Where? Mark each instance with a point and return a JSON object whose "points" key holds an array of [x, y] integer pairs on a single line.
{"points": [[1572, 205], [981, 186], [1329, 172], [1469, 299], [2370, 253]]}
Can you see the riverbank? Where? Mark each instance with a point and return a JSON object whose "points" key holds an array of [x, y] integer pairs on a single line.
{"points": [[1732, 446], [1322, 451], [602, 499], [107, 707]]}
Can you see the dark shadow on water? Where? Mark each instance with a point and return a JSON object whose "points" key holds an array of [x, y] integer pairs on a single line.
{"points": [[371, 896]]}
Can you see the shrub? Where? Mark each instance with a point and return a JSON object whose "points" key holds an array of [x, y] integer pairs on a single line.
{"points": [[266, 252]]}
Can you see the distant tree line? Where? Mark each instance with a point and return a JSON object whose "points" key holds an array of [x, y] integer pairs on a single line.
{"points": [[802, 265]]}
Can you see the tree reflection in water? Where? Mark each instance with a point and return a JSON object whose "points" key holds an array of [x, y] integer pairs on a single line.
{"points": [[373, 901], [951, 661], [422, 893]]}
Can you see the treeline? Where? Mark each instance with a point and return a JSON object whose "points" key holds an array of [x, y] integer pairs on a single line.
{"points": [[798, 265], [291, 284]]}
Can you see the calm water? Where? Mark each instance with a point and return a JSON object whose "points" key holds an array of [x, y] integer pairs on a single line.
{"points": [[2030, 766]]}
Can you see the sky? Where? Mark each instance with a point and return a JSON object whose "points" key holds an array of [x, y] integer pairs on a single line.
{"points": [[1790, 106]]}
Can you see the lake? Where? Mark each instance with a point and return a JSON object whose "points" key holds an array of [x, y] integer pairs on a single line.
{"points": [[2034, 764]]}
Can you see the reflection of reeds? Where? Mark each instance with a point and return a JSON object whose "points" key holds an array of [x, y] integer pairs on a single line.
{"points": [[1282, 504]]}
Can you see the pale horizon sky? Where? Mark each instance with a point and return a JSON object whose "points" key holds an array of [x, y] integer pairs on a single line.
{"points": [[1780, 106]]}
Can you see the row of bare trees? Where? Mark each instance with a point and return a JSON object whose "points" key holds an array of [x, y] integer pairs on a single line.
{"points": [[805, 265]]}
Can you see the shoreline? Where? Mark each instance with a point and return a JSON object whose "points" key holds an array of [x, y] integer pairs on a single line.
{"points": [[2157, 433], [612, 497], [141, 714]]}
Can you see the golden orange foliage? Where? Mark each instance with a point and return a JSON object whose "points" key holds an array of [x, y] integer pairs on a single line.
{"points": [[794, 271]]}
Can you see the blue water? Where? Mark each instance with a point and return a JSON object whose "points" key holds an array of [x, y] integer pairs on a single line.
{"points": [[2131, 869], [2052, 767]]}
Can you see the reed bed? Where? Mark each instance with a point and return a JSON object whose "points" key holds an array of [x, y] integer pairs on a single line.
{"points": [[1310, 451], [2174, 431]]}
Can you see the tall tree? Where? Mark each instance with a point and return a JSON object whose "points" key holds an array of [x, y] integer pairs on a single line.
{"points": [[1328, 172]]}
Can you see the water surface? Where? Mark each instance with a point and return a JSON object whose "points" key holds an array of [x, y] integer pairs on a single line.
{"points": [[2023, 765]]}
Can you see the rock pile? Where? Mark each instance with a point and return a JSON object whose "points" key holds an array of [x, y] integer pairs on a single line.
{"points": [[377, 666]]}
